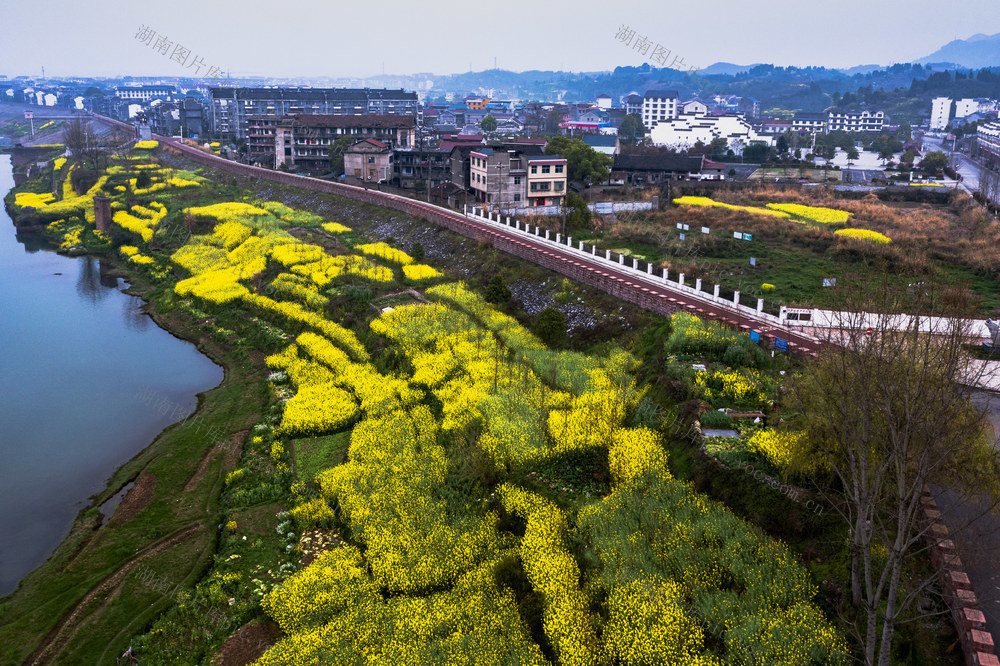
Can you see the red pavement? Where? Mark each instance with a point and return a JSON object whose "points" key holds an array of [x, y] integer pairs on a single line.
{"points": [[797, 342]]}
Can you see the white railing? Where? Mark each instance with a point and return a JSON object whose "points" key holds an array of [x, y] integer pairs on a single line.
{"points": [[811, 317], [628, 265]]}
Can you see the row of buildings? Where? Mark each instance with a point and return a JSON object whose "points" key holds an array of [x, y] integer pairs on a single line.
{"points": [[988, 144]]}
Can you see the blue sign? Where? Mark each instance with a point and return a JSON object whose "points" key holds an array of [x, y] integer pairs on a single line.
{"points": [[755, 336], [781, 343]]}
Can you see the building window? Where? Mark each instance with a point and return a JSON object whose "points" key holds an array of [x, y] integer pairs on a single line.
{"points": [[517, 197], [534, 168], [517, 180], [546, 168], [559, 168]]}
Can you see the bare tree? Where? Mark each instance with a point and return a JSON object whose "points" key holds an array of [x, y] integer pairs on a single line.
{"points": [[887, 409]]}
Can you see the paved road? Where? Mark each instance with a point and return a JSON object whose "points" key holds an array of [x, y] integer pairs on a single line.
{"points": [[968, 169], [976, 533]]}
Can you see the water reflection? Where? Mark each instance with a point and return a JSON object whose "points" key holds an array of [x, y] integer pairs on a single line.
{"points": [[135, 319], [88, 283]]}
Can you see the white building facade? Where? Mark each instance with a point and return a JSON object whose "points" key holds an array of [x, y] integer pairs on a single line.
{"points": [[940, 112], [658, 106], [689, 129], [861, 121]]}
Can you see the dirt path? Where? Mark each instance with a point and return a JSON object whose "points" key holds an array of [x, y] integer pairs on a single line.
{"points": [[72, 622]]}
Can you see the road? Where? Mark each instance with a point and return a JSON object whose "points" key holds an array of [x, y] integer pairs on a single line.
{"points": [[976, 532], [968, 169]]}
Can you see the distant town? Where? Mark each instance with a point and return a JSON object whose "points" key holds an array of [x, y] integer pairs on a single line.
{"points": [[486, 146]]}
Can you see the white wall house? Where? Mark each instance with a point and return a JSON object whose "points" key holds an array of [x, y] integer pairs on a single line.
{"points": [[694, 107], [689, 129], [657, 106], [940, 112]]}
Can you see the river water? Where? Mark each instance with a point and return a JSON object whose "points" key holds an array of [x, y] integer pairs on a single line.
{"points": [[78, 362]]}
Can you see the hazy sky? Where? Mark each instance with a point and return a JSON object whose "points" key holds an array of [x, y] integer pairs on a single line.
{"points": [[335, 38]]}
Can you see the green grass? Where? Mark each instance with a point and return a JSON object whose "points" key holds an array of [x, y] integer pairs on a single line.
{"points": [[315, 454]]}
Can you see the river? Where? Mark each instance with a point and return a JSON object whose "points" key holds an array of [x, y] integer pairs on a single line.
{"points": [[77, 356]]}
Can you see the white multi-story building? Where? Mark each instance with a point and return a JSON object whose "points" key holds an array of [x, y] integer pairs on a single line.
{"points": [[689, 129], [855, 121], [940, 112], [965, 106], [988, 139], [144, 93], [658, 106]]}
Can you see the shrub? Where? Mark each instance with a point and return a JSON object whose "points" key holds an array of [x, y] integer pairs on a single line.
{"points": [[497, 292], [551, 326]]}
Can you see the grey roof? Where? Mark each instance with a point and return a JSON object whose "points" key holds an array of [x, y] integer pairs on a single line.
{"points": [[655, 162], [660, 93], [603, 140], [331, 94]]}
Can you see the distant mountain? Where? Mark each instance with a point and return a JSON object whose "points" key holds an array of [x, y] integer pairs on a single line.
{"points": [[862, 69], [975, 52], [725, 69]]}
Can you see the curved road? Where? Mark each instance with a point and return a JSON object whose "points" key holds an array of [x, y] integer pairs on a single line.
{"points": [[537, 250]]}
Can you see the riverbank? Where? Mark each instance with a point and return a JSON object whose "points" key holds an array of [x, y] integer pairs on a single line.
{"points": [[190, 591], [169, 519]]}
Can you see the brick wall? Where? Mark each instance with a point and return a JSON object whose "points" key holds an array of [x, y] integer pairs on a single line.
{"points": [[977, 643], [561, 263]]}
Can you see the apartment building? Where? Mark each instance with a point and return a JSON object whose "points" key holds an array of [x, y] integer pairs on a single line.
{"points": [[509, 179], [658, 106], [232, 111], [940, 112], [145, 93], [856, 121], [988, 142], [304, 140], [809, 122]]}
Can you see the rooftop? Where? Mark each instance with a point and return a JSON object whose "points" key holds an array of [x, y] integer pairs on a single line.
{"points": [[660, 94]]}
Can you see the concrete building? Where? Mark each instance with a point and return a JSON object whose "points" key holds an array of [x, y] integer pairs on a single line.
{"points": [[988, 142], [810, 122], [658, 106], [688, 130], [507, 179], [410, 166], [232, 111], [604, 101], [305, 140], [855, 121], [145, 93], [369, 161], [546, 184], [965, 106], [633, 103], [940, 113]]}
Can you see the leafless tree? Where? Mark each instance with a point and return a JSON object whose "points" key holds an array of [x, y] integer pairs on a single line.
{"points": [[887, 410]]}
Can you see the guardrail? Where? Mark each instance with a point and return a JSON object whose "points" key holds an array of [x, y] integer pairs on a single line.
{"points": [[647, 273]]}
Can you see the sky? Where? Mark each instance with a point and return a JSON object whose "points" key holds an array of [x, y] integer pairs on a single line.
{"points": [[338, 39]]}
